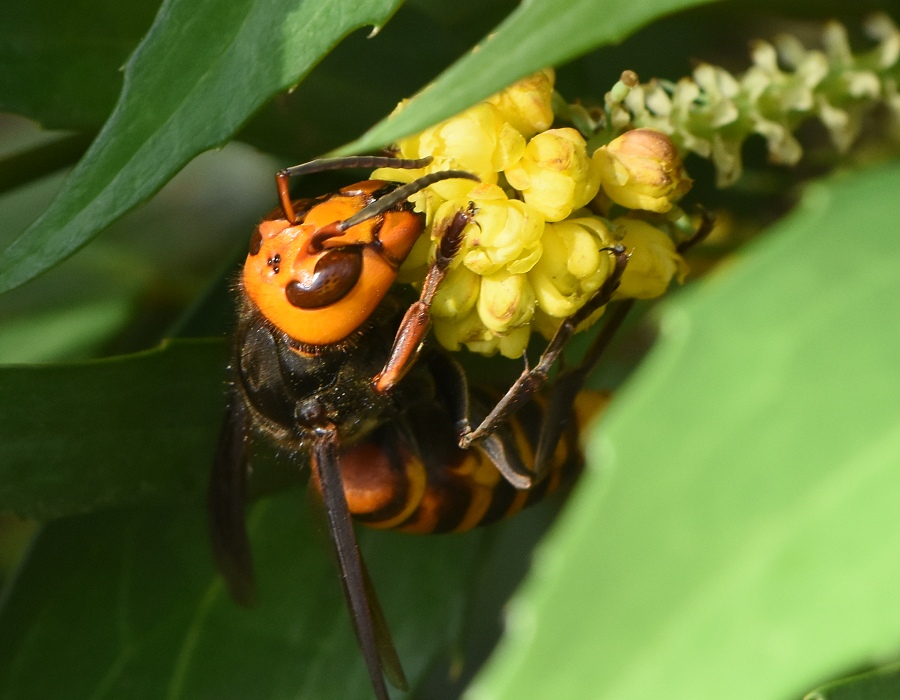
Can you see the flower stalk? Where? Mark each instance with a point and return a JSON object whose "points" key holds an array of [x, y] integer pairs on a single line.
{"points": [[713, 112]]}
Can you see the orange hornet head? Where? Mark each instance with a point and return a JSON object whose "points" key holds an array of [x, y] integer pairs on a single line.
{"points": [[318, 284]]}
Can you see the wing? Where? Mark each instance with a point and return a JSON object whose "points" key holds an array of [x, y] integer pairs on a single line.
{"points": [[227, 502], [365, 611]]}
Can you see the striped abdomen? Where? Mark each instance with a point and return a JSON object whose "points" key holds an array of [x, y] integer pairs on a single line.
{"points": [[413, 477]]}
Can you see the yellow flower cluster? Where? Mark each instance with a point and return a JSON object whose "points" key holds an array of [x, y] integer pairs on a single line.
{"points": [[534, 252]]}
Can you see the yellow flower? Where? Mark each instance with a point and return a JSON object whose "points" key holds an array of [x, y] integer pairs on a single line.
{"points": [[573, 266], [457, 293], [511, 345], [454, 333], [472, 333], [486, 301], [415, 267], [484, 139], [555, 174], [527, 104], [514, 272], [653, 262], [505, 233], [478, 140], [506, 301], [641, 169]]}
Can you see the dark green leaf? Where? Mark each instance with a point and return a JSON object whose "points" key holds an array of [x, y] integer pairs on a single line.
{"points": [[738, 535], [202, 71], [338, 100], [123, 293], [536, 35], [880, 684], [36, 162], [60, 62], [75, 438], [127, 606], [74, 331]]}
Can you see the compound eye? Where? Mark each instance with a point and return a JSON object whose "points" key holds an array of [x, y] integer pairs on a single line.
{"points": [[335, 274], [255, 243]]}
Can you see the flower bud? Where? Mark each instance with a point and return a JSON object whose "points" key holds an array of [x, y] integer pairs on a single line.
{"points": [[505, 233], [472, 333], [477, 140], [415, 267], [511, 344], [653, 262], [555, 174], [457, 293], [573, 265], [641, 169], [526, 105], [506, 301], [453, 334]]}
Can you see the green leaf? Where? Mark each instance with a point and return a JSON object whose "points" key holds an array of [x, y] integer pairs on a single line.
{"points": [[60, 61], [536, 35], [738, 534], [200, 74], [408, 52], [202, 71], [880, 684], [75, 438], [39, 161], [75, 330], [127, 605]]}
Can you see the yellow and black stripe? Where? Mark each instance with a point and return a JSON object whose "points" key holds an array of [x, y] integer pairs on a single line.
{"points": [[414, 478]]}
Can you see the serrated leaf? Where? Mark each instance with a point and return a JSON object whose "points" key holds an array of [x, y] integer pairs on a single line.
{"points": [[536, 35], [78, 437], [738, 534], [202, 71]]}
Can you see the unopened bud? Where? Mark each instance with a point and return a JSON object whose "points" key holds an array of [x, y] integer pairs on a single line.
{"points": [[574, 265], [653, 263], [505, 234], [641, 169], [555, 174], [472, 333], [457, 293], [506, 301], [526, 105]]}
